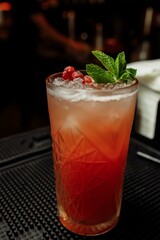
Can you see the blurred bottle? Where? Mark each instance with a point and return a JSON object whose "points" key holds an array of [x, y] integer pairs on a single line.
{"points": [[6, 20], [144, 50], [71, 24], [99, 37]]}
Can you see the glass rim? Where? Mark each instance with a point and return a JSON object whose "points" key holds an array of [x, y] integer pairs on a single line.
{"points": [[121, 90]]}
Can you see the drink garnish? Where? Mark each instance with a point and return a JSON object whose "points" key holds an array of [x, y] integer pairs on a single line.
{"points": [[111, 71], [70, 73]]}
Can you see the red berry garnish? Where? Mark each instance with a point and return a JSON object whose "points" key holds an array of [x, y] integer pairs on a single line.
{"points": [[77, 74], [67, 73], [87, 79]]}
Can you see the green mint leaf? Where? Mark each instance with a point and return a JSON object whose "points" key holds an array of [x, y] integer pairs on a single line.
{"points": [[120, 64], [132, 71], [113, 71], [106, 60], [129, 73], [99, 74]]}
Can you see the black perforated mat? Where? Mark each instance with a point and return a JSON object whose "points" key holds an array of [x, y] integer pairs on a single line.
{"points": [[27, 194]]}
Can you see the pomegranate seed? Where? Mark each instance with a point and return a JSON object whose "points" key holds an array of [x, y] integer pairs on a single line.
{"points": [[67, 73], [69, 69], [77, 74], [87, 79], [66, 76]]}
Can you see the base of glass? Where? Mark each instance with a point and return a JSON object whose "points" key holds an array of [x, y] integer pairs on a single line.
{"points": [[88, 230]]}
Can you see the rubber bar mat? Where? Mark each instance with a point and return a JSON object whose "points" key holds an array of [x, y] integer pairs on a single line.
{"points": [[28, 205], [16, 147]]}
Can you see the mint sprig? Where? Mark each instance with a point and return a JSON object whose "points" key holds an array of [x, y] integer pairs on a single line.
{"points": [[112, 71]]}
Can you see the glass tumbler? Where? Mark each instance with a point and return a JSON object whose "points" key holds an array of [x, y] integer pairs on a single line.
{"points": [[90, 129]]}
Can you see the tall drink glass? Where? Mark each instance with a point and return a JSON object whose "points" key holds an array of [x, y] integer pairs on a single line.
{"points": [[90, 129]]}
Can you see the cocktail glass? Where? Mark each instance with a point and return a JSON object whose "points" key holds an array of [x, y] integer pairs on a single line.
{"points": [[90, 129]]}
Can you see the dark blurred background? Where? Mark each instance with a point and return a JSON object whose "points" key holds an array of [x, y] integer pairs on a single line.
{"points": [[30, 50]]}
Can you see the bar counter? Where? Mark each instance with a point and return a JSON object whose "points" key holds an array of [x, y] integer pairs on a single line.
{"points": [[27, 192]]}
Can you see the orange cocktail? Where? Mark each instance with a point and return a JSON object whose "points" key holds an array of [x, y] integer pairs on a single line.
{"points": [[90, 128]]}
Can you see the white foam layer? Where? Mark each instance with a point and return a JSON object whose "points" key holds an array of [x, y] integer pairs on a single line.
{"points": [[75, 95]]}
